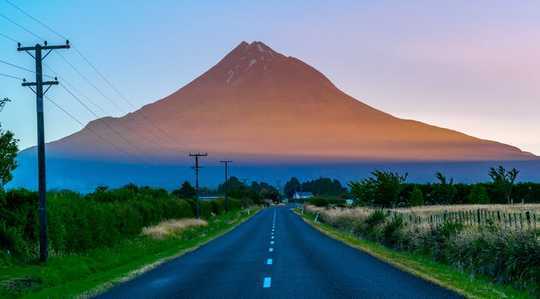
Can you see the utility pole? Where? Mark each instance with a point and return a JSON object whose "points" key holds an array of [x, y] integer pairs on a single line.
{"points": [[42, 187], [197, 167], [225, 185]]}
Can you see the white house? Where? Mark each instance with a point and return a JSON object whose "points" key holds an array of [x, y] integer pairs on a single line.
{"points": [[302, 195]]}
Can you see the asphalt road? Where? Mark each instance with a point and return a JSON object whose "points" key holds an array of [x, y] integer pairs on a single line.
{"points": [[276, 255]]}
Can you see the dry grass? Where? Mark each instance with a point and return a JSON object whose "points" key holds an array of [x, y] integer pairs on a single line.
{"points": [[334, 215], [509, 208], [171, 227]]}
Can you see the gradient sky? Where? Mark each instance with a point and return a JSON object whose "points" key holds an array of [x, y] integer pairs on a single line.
{"points": [[472, 66]]}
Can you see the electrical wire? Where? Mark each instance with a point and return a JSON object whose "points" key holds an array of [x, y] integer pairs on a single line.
{"points": [[10, 76], [100, 74], [8, 37], [21, 27], [23, 68], [82, 125]]}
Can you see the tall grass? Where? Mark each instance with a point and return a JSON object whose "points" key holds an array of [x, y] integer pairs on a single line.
{"points": [[505, 255]]}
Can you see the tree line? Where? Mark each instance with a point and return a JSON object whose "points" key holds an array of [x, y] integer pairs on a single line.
{"points": [[390, 189]]}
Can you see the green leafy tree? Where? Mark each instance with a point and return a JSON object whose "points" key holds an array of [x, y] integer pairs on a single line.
{"points": [[293, 185], [503, 182], [417, 197], [186, 191], [380, 190], [325, 187], [444, 192], [478, 195], [8, 152]]}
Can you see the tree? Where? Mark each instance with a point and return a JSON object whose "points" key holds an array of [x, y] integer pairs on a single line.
{"points": [[186, 191], [8, 152], [293, 185], [503, 182], [478, 195], [381, 190], [324, 187], [444, 191], [417, 197]]}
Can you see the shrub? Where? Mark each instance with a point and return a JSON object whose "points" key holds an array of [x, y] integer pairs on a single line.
{"points": [[392, 233], [416, 197], [478, 195], [381, 190]]}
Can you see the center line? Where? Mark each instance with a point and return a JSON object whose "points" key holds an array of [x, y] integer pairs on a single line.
{"points": [[272, 237], [267, 282], [272, 242], [270, 249], [269, 261]]}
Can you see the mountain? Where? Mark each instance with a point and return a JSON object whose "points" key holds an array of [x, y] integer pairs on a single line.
{"points": [[259, 105]]}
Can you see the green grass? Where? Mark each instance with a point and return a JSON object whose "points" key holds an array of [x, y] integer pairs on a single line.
{"points": [[423, 266], [90, 273]]}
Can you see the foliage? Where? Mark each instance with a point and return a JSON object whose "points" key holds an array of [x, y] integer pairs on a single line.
{"points": [[253, 193], [504, 255], [503, 182], [321, 187], [78, 223], [478, 195], [8, 153], [381, 190], [444, 191], [416, 197], [293, 185], [186, 191]]}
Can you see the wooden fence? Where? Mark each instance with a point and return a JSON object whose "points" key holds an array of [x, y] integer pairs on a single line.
{"points": [[525, 220]]}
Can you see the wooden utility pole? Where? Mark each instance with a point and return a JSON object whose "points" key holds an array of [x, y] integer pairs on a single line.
{"points": [[196, 168], [42, 187], [226, 185]]}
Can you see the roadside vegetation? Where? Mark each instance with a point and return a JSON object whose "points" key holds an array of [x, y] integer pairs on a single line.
{"points": [[99, 236], [496, 242], [422, 265]]}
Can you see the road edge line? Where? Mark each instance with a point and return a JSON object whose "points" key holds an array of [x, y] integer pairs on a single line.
{"points": [[383, 259], [137, 272]]}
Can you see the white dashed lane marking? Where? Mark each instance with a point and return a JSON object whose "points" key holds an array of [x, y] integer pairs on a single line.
{"points": [[269, 261], [267, 282]]}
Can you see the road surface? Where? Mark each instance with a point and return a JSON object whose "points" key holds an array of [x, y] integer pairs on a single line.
{"points": [[276, 255]]}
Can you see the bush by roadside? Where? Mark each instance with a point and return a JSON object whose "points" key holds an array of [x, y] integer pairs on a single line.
{"points": [[506, 256], [78, 223]]}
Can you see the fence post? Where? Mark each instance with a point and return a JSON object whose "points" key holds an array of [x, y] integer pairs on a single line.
{"points": [[528, 216]]}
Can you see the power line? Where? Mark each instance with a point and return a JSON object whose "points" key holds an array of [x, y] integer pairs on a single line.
{"points": [[70, 86], [124, 98], [87, 61], [94, 86], [88, 81], [106, 123], [82, 125], [22, 68], [22, 27], [100, 74], [11, 76], [8, 37], [35, 19]]}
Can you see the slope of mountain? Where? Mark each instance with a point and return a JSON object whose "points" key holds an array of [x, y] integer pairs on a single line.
{"points": [[259, 105]]}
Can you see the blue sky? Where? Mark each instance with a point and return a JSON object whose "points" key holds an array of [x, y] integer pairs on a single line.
{"points": [[469, 66]]}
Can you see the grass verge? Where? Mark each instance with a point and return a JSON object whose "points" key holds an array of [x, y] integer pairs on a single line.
{"points": [[422, 266], [83, 275]]}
